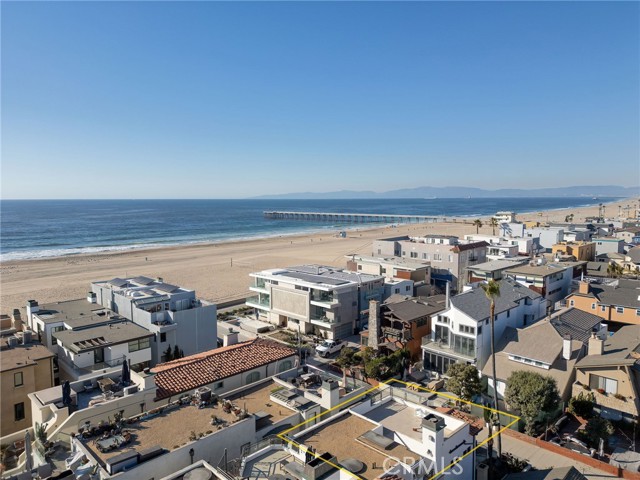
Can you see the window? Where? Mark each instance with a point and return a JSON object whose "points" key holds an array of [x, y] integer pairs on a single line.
{"points": [[619, 309], [508, 313], [442, 319], [466, 329], [404, 253], [18, 411], [57, 329], [17, 379], [286, 365], [163, 337], [407, 288], [426, 256], [609, 385], [396, 290], [437, 257], [593, 306], [379, 251], [253, 377], [359, 267], [637, 312], [421, 322], [450, 258], [571, 303], [140, 344], [480, 330], [383, 270], [463, 345], [604, 309], [414, 254], [218, 385]]}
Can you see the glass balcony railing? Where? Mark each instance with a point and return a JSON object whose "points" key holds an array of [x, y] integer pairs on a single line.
{"points": [[325, 297], [257, 300], [260, 283]]}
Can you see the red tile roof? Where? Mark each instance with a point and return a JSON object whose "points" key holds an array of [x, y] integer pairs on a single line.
{"points": [[469, 246], [188, 373]]}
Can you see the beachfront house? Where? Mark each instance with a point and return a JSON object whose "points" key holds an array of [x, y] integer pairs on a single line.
{"points": [[461, 333], [395, 269], [449, 257], [317, 299], [174, 314]]}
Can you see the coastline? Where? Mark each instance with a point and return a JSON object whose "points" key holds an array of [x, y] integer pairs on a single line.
{"points": [[218, 271]]}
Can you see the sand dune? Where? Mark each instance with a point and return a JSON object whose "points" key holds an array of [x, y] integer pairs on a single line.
{"points": [[218, 272]]}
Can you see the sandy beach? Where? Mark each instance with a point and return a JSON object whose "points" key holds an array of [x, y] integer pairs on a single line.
{"points": [[219, 272]]}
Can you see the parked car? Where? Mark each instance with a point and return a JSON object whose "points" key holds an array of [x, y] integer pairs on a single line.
{"points": [[328, 347]]}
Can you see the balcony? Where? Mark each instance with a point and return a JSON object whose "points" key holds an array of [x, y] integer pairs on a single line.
{"points": [[326, 299], [439, 346], [321, 320], [261, 302], [260, 285], [403, 335]]}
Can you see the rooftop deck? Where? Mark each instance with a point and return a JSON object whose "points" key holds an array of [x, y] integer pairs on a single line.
{"points": [[257, 399], [340, 438], [168, 430]]}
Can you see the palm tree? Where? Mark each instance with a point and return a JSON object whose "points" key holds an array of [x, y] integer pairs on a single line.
{"points": [[614, 270], [492, 290], [478, 224], [494, 223]]}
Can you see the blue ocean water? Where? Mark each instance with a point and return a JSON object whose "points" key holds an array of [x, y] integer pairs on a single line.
{"points": [[49, 228]]}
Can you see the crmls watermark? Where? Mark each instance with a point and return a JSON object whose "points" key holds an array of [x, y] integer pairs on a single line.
{"points": [[424, 467]]}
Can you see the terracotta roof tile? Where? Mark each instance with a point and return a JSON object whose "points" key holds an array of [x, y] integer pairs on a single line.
{"points": [[188, 373]]}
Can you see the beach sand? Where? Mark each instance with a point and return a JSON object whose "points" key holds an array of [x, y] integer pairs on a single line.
{"points": [[219, 272]]}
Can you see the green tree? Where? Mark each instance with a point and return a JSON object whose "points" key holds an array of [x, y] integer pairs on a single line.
{"points": [[478, 224], [493, 223], [614, 270], [346, 360], [531, 394], [464, 381], [598, 428], [176, 353], [582, 405], [568, 218], [168, 354], [492, 291]]}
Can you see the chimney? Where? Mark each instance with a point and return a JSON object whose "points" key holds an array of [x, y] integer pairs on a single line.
{"points": [[230, 338], [330, 393], [16, 320], [583, 288], [447, 296], [566, 347], [596, 345], [374, 324]]}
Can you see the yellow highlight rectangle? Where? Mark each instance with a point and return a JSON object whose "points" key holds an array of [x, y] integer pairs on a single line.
{"points": [[282, 435]]}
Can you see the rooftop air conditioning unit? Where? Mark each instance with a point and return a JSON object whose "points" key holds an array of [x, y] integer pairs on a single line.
{"points": [[13, 342]]}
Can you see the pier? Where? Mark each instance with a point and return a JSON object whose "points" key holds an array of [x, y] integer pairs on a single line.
{"points": [[351, 217]]}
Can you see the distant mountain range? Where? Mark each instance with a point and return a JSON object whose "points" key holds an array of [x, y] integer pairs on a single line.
{"points": [[463, 192]]}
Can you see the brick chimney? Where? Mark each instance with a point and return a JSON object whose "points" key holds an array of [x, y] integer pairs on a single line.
{"points": [[566, 347], [374, 324]]}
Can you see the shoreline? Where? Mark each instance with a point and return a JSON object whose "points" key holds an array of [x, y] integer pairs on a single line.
{"points": [[220, 271], [141, 247]]}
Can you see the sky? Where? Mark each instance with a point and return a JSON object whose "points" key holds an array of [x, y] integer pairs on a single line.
{"points": [[233, 100]]}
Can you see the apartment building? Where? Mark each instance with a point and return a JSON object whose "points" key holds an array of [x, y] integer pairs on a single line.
{"points": [[493, 270], [393, 268], [315, 298], [510, 244], [25, 367], [617, 303], [608, 245], [547, 236], [462, 333], [551, 280], [173, 314], [448, 256], [582, 251], [629, 235]]}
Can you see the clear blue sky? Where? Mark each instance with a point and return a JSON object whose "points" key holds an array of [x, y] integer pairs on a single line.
{"points": [[227, 100]]}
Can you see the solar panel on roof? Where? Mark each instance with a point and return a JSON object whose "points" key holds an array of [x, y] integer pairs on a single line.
{"points": [[315, 278], [166, 287], [117, 282], [142, 280]]}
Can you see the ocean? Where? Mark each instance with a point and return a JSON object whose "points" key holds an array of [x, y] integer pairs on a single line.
{"points": [[32, 229]]}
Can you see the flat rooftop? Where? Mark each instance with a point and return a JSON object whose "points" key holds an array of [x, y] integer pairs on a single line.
{"points": [[340, 437], [168, 430], [396, 261], [257, 400], [98, 337], [319, 275], [401, 418], [541, 270], [71, 310], [496, 265], [22, 356]]}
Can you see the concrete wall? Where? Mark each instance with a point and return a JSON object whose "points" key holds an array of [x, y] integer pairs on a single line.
{"points": [[290, 302], [197, 329]]}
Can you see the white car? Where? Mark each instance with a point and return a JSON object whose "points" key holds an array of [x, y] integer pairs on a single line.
{"points": [[328, 347]]}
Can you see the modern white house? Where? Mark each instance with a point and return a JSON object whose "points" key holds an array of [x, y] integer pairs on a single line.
{"points": [[512, 244], [395, 269], [547, 236], [315, 298], [608, 245], [390, 434], [462, 332], [449, 257], [173, 314]]}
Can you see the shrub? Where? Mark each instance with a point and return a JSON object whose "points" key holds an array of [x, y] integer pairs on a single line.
{"points": [[582, 405]]}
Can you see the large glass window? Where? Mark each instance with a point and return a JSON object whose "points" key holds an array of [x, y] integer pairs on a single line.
{"points": [[463, 345], [609, 385], [253, 377], [442, 333], [140, 344]]}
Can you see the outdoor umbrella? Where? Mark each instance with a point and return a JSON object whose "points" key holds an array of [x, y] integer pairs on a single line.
{"points": [[126, 375], [28, 466]]}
